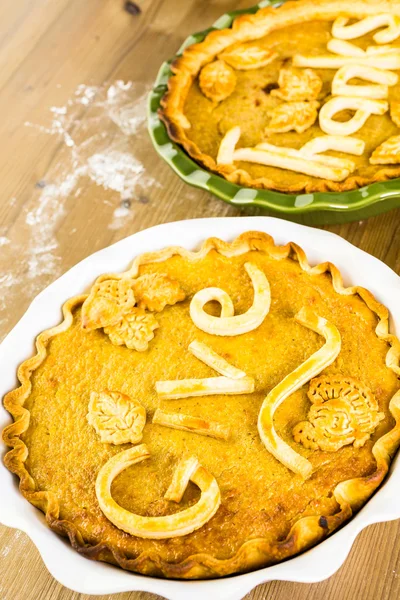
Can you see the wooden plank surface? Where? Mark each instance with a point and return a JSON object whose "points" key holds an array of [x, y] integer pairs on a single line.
{"points": [[78, 172]]}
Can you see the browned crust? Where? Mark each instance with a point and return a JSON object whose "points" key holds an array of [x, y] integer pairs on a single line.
{"points": [[249, 27], [255, 553]]}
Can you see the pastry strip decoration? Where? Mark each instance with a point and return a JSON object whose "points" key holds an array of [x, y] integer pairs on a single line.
{"points": [[214, 360], [344, 48], [233, 380], [307, 159], [390, 60], [316, 363], [170, 526], [364, 109], [209, 386], [391, 23], [379, 91], [229, 324], [193, 424], [227, 146]]}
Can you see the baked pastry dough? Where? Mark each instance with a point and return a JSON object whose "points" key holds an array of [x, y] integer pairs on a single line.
{"points": [[297, 116], [169, 526], [116, 418], [307, 159], [217, 80], [134, 330], [390, 23], [332, 61], [108, 301], [155, 291], [297, 85], [229, 323], [292, 382], [244, 57], [344, 48], [364, 109], [343, 412], [185, 422], [234, 381], [395, 112], [387, 153], [227, 146], [382, 79], [214, 360]]}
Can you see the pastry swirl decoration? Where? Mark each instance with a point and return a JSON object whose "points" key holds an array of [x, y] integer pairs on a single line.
{"points": [[292, 382], [169, 526], [229, 324], [306, 531]]}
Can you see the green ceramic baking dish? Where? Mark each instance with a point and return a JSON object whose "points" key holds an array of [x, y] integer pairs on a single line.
{"points": [[319, 208]]}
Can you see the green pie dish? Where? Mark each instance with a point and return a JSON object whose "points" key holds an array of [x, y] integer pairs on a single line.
{"points": [[315, 209]]}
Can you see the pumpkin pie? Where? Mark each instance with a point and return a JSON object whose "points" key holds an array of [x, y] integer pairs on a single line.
{"points": [[207, 413], [284, 77]]}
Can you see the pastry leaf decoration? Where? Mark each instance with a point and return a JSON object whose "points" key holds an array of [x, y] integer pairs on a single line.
{"points": [[388, 153], [243, 57], [107, 302], [133, 330], [153, 291], [120, 306], [343, 412], [217, 80], [297, 116], [296, 85], [116, 418]]}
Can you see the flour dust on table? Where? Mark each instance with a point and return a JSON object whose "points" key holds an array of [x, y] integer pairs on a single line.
{"points": [[96, 128]]}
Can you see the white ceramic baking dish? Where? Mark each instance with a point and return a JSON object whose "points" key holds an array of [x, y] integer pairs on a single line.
{"points": [[88, 577]]}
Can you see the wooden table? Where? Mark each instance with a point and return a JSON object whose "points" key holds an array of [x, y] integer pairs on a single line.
{"points": [[55, 164]]}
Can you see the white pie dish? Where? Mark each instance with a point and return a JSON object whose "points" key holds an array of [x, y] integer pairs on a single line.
{"points": [[91, 577]]}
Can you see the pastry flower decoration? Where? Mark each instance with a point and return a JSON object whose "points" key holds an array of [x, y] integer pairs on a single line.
{"points": [[217, 80], [244, 57], [297, 85], [134, 330], [123, 307], [170, 526], [316, 363], [296, 116], [229, 324], [343, 412], [116, 418], [308, 159]]}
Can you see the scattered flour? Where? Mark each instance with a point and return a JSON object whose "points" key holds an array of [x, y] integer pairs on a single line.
{"points": [[95, 126]]}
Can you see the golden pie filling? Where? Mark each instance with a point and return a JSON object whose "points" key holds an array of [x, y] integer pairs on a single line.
{"points": [[286, 77], [208, 413]]}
